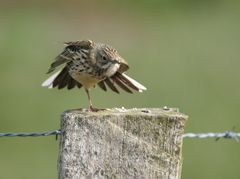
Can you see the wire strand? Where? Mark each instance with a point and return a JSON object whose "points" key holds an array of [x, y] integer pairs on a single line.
{"points": [[226, 135], [31, 134]]}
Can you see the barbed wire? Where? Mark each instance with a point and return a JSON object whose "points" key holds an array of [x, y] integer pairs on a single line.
{"points": [[226, 135], [32, 134]]}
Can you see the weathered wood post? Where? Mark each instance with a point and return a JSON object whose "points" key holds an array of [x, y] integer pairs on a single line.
{"points": [[121, 144]]}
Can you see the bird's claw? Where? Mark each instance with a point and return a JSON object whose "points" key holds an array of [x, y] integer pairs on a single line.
{"points": [[93, 109]]}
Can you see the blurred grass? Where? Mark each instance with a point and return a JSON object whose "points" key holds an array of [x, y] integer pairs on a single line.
{"points": [[185, 52]]}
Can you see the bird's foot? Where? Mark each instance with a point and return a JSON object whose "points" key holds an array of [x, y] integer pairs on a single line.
{"points": [[93, 109]]}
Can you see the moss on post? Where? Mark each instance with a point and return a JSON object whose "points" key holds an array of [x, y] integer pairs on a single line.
{"points": [[121, 143]]}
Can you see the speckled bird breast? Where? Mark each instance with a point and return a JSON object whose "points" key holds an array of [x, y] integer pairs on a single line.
{"points": [[89, 74]]}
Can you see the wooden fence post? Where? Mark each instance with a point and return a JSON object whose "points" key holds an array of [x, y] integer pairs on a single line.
{"points": [[121, 143]]}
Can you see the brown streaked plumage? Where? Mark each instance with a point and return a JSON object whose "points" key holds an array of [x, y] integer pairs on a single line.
{"points": [[88, 63]]}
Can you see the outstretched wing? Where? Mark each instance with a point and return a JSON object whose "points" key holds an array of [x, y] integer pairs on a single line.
{"points": [[71, 52], [123, 81], [60, 80]]}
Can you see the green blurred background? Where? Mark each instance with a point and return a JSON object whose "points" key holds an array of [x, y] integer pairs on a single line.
{"points": [[186, 52]]}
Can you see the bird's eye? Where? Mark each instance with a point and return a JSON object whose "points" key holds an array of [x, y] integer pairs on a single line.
{"points": [[104, 58]]}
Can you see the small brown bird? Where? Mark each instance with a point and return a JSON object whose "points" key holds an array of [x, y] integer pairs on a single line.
{"points": [[88, 63]]}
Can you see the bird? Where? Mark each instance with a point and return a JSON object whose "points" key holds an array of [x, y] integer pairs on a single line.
{"points": [[87, 64]]}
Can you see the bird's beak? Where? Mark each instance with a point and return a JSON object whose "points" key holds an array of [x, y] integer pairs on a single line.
{"points": [[116, 61]]}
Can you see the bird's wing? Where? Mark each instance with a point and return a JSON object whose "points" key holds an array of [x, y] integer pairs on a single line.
{"points": [[61, 79], [123, 81], [72, 51]]}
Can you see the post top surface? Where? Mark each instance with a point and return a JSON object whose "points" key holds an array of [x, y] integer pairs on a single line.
{"points": [[164, 112]]}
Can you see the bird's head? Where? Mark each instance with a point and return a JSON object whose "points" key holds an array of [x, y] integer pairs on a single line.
{"points": [[108, 57]]}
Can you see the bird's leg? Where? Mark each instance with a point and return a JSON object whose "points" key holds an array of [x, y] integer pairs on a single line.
{"points": [[91, 108]]}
